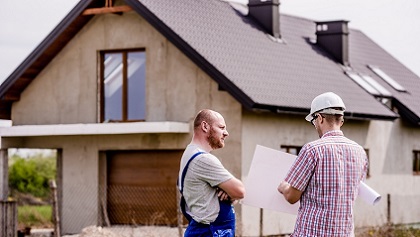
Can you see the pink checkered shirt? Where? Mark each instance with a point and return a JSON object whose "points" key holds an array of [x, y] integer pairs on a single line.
{"points": [[328, 171]]}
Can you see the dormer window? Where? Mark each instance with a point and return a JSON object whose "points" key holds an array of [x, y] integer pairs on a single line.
{"points": [[123, 93], [387, 78]]}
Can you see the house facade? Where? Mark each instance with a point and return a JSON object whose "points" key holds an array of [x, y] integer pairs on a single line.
{"points": [[114, 89]]}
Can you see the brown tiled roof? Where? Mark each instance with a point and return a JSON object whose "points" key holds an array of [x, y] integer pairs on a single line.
{"points": [[263, 73], [259, 72]]}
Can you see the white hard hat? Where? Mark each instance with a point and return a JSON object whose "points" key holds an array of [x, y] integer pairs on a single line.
{"points": [[329, 103]]}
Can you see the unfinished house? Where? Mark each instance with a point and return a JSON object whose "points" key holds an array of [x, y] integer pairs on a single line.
{"points": [[115, 86]]}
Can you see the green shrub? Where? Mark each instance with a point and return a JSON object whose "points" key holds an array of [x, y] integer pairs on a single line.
{"points": [[32, 175]]}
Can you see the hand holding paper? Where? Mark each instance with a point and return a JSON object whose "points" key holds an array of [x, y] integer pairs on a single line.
{"points": [[268, 168]]}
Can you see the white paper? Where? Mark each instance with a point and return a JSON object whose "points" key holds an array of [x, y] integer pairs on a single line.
{"points": [[268, 168], [368, 194]]}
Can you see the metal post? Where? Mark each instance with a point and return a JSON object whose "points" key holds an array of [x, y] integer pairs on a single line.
{"points": [[388, 213], [261, 221]]}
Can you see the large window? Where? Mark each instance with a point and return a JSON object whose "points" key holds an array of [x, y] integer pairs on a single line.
{"points": [[123, 79], [416, 162]]}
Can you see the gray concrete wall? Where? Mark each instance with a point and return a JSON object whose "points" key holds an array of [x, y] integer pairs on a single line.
{"points": [[391, 148], [66, 92]]}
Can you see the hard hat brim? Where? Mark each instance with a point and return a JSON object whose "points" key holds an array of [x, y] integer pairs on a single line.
{"points": [[309, 117]]}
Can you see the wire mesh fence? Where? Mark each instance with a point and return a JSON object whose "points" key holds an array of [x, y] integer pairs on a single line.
{"points": [[129, 211], [133, 210], [141, 206]]}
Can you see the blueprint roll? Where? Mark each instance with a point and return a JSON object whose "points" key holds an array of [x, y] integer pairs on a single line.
{"points": [[368, 194]]}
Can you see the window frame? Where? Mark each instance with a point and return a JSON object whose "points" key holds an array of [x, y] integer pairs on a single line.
{"points": [[368, 160], [287, 148], [101, 94], [416, 162]]}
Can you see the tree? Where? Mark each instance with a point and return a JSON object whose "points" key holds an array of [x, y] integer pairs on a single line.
{"points": [[31, 175]]}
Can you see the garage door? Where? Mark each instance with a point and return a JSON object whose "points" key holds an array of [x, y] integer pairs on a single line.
{"points": [[142, 187]]}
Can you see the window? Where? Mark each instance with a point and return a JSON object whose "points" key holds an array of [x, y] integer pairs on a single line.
{"points": [[123, 79], [294, 150], [368, 168], [387, 78], [376, 85], [369, 84], [416, 162]]}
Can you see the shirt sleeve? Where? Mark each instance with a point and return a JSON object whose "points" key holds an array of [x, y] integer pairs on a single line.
{"points": [[209, 169], [302, 169]]}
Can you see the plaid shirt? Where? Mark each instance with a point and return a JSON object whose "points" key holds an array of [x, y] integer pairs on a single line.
{"points": [[328, 171]]}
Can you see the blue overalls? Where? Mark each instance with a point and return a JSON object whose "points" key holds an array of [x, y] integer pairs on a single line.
{"points": [[223, 226]]}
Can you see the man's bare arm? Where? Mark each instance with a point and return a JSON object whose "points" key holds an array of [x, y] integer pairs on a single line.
{"points": [[234, 188], [291, 194]]}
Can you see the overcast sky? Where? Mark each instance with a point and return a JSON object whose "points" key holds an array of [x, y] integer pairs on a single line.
{"points": [[393, 24]]}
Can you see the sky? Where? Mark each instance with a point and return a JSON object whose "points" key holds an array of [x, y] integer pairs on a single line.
{"points": [[392, 24]]}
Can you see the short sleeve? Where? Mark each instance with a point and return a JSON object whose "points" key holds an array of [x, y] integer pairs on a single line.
{"points": [[208, 168]]}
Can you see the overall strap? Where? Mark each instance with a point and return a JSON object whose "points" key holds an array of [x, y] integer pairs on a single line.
{"points": [[184, 171], [183, 203]]}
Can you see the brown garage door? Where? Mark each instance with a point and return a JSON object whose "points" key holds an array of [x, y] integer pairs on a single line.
{"points": [[142, 187]]}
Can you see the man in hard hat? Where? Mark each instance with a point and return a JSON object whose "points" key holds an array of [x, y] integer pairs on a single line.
{"points": [[326, 174]]}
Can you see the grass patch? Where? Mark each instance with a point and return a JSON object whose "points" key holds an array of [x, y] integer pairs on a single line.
{"points": [[391, 231], [35, 216]]}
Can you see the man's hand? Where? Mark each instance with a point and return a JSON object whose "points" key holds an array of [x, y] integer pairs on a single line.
{"points": [[223, 196], [291, 194], [283, 187]]}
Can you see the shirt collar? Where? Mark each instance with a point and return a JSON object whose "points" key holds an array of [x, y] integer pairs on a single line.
{"points": [[333, 133]]}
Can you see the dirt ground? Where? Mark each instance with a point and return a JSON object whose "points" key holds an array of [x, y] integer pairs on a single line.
{"points": [[147, 231]]}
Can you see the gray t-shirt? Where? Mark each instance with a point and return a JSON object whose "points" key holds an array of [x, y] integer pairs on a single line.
{"points": [[204, 174]]}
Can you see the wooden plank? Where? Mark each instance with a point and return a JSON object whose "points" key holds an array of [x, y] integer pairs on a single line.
{"points": [[103, 10]]}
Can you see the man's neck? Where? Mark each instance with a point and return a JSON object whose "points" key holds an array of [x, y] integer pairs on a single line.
{"points": [[204, 145]]}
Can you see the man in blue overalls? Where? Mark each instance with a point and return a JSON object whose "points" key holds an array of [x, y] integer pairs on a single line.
{"points": [[208, 189]]}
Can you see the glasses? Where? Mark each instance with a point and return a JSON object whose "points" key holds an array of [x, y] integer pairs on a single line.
{"points": [[314, 117]]}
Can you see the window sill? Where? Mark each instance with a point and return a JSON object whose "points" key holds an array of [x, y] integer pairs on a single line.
{"points": [[94, 129]]}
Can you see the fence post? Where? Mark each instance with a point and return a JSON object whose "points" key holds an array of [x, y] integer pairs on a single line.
{"points": [[388, 209], [179, 213], [56, 216], [8, 218]]}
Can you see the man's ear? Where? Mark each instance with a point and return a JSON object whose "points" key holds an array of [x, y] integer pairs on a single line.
{"points": [[204, 126]]}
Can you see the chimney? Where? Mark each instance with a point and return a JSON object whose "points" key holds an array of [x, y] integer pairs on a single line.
{"points": [[333, 36], [266, 13]]}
